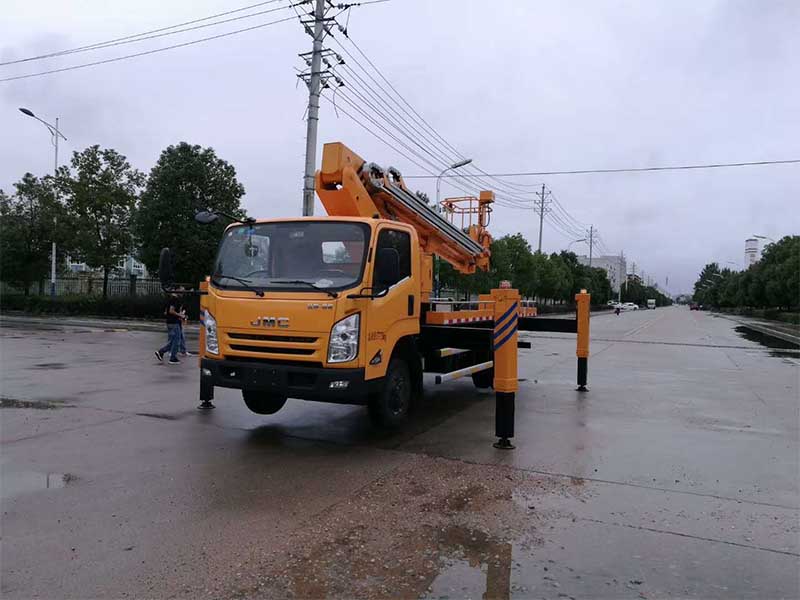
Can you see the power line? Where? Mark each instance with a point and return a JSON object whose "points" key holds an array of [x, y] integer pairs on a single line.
{"points": [[165, 48], [757, 163], [139, 36]]}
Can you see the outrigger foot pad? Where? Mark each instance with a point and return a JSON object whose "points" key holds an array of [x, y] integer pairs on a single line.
{"points": [[206, 405], [503, 444]]}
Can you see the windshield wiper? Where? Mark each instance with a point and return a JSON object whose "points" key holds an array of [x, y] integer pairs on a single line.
{"points": [[311, 284], [244, 282]]}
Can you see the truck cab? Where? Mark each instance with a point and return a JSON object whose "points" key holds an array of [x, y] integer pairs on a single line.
{"points": [[315, 309]]}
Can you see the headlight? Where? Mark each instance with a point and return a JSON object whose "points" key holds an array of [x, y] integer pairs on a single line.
{"points": [[212, 343], [343, 345]]}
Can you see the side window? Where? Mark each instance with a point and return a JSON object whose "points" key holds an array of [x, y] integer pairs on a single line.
{"points": [[401, 242]]}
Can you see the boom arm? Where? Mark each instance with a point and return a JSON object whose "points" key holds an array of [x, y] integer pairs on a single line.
{"points": [[349, 186]]}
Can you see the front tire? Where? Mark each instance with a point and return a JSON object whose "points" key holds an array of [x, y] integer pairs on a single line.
{"points": [[483, 380], [389, 408], [263, 403]]}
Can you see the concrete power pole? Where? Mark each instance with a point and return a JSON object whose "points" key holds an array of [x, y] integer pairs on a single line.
{"points": [[622, 276], [313, 109], [540, 206], [591, 243]]}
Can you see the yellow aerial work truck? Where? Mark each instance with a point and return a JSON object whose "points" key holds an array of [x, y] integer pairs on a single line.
{"points": [[339, 308]]}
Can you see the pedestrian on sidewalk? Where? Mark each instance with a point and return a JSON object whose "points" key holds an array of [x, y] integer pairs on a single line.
{"points": [[173, 319]]}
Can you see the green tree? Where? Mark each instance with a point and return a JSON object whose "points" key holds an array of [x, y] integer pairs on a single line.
{"points": [[186, 179], [101, 198], [28, 227]]}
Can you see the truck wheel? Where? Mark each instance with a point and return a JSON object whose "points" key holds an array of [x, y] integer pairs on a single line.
{"points": [[263, 403], [483, 379], [389, 407]]}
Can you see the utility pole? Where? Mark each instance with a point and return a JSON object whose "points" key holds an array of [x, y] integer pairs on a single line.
{"points": [[622, 275], [313, 108], [591, 233], [540, 206]]}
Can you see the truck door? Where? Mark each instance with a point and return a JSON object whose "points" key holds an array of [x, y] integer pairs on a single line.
{"points": [[395, 314]]}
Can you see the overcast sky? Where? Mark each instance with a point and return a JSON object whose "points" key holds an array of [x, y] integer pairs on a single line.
{"points": [[516, 85]]}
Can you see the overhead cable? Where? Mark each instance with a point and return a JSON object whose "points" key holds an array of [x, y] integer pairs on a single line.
{"points": [[145, 53], [140, 36]]}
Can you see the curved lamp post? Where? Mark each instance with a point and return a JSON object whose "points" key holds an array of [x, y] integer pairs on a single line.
{"points": [[455, 165], [55, 133]]}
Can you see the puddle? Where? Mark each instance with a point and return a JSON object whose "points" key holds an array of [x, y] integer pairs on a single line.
{"points": [[37, 404], [15, 483], [476, 561], [777, 347], [164, 416], [50, 365]]}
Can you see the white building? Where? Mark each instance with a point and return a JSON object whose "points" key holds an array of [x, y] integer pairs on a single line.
{"points": [[126, 266], [752, 253], [615, 266]]}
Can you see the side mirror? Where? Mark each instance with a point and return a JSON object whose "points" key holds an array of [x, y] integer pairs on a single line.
{"points": [[387, 267], [206, 217], [166, 267]]}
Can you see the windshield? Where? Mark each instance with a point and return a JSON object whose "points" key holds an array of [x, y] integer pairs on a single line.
{"points": [[293, 255]]}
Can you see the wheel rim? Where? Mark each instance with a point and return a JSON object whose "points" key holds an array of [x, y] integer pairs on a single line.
{"points": [[398, 395]]}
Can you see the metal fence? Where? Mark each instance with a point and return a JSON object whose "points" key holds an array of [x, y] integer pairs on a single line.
{"points": [[71, 285]]}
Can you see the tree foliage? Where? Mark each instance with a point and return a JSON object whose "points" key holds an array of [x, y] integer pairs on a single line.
{"points": [[100, 197], [186, 179], [772, 282], [554, 278], [28, 227]]}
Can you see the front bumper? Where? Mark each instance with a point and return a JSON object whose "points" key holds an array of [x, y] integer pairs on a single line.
{"points": [[291, 380]]}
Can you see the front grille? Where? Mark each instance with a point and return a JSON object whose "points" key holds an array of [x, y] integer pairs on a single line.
{"points": [[272, 361], [272, 349], [257, 337]]}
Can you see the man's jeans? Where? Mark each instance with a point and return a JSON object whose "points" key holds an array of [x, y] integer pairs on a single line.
{"points": [[174, 332]]}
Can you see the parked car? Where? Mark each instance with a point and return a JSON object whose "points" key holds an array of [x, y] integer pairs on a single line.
{"points": [[611, 303], [630, 306], [694, 306]]}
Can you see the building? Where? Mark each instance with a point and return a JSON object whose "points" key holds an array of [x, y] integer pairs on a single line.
{"points": [[126, 266], [751, 252], [615, 266]]}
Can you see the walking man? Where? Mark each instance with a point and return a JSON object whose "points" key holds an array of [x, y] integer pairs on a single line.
{"points": [[173, 318], [182, 343]]}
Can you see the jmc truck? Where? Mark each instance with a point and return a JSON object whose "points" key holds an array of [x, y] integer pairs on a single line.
{"points": [[339, 308]]}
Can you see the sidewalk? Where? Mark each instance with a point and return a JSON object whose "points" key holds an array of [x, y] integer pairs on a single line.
{"points": [[787, 332], [18, 319]]}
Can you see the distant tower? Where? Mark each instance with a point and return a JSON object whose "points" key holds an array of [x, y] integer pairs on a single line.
{"points": [[750, 252]]}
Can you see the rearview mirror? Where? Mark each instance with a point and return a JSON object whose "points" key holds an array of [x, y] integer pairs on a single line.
{"points": [[166, 267], [205, 217], [387, 267]]}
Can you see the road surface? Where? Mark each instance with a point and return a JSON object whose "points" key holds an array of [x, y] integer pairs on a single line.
{"points": [[675, 475]]}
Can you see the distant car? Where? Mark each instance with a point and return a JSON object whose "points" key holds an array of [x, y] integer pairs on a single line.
{"points": [[629, 306], [694, 306], [611, 303]]}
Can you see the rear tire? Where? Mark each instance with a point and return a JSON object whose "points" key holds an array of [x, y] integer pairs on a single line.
{"points": [[483, 379], [389, 408], [263, 403]]}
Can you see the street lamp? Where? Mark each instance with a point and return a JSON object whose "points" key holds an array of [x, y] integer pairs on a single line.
{"points": [[55, 133], [574, 242], [455, 165], [763, 237]]}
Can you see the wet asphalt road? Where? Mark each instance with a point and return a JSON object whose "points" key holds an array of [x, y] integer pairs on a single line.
{"points": [[675, 475]]}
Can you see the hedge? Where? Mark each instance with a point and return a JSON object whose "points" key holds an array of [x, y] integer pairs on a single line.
{"points": [[136, 307]]}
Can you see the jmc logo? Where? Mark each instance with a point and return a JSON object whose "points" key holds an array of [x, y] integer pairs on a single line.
{"points": [[282, 322]]}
